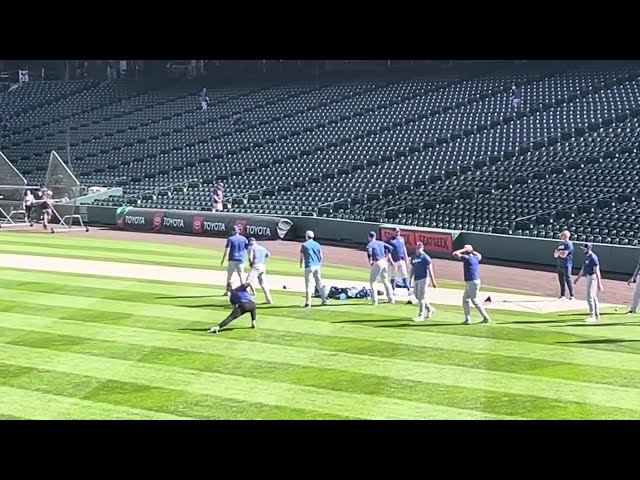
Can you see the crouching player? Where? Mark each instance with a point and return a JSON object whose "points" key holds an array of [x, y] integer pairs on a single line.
{"points": [[242, 300]]}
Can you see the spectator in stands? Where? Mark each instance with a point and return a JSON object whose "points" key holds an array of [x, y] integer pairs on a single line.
{"points": [[236, 119], [516, 96], [204, 99], [5, 121], [217, 197]]}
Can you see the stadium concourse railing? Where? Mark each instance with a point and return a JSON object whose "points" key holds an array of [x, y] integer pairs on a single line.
{"points": [[525, 252]]}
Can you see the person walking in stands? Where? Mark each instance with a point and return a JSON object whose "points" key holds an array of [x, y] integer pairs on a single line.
{"points": [[591, 270], [243, 302], [236, 251], [378, 254], [516, 96], [217, 197], [564, 259], [471, 267], [258, 256], [204, 99]]}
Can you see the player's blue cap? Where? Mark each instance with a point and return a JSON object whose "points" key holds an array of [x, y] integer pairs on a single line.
{"points": [[372, 234], [396, 229], [587, 246], [419, 245], [252, 240]]}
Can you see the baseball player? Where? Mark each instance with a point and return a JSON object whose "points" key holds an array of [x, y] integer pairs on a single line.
{"points": [[564, 259], [242, 301], [591, 270], [471, 267], [636, 294], [399, 257], [258, 256], [236, 251], [311, 257], [421, 270], [378, 254]]}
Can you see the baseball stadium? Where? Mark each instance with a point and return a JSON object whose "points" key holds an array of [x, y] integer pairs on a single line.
{"points": [[315, 240]]}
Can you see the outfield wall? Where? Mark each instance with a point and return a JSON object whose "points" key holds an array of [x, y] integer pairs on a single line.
{"points": [[536, 253]]}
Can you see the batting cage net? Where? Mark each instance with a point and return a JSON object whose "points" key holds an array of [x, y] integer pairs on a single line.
{"points": [[12, 190], [65, 192]]}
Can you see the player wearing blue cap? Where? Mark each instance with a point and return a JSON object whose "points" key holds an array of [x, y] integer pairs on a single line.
{"points": [[378, 254], [399, 257], [421, 271], [471, 260], [591, 270]]}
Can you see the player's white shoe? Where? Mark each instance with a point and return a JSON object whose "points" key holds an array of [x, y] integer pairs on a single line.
{"points": [[306, 305], [392, 301], [486, 320], [419, 318], [324, 302], [467, 322], [214, 330], [431, 313], [591, 320]]}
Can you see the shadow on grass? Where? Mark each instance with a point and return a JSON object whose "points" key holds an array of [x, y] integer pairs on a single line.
{"points": [[423, 324], [535, 322], [585, 324], [188, 296], [585, 314], [602, 341]]}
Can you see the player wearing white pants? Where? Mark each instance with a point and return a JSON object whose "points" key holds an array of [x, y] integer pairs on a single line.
{"points": [[311, 257], [378, 254], [471, 267], [591, 270], [421, 272], [258, 256], [398, 263], [636, 294], [235, 251]]}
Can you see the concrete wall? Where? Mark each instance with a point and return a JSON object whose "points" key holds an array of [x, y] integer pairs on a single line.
{"points": [[536, 253]]}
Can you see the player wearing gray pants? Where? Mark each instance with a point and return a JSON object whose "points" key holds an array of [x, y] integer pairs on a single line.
{"points": [[636, 293], [591, 270], [471, 260]]}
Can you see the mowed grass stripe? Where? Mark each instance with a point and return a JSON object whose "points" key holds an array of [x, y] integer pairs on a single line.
{"points": [[458, 397], [17, 402], [520, 384], [234, 387], [177, 317]]}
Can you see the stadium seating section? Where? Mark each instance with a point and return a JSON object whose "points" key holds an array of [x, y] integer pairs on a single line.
{"points": [[444, 151]]}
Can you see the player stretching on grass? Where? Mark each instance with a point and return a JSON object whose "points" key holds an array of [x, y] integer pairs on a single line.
{"points": [[471, 260], [421, 271], [242, 302]]}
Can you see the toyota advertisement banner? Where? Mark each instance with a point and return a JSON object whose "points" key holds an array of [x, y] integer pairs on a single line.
{"points": [[203, 223]]}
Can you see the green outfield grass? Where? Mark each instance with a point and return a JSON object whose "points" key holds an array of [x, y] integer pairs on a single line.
{"points": [[87, 347]]}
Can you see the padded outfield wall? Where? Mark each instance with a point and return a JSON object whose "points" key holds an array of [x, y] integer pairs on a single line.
{"points": [[535, 253]]}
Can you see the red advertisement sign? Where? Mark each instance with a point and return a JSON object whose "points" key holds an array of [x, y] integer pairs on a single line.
{"points": [[434, 242]]}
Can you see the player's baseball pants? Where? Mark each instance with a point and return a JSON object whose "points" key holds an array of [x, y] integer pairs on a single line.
{"points": [[592, 295], [420, 291], [380, 270], [235, 267], [204, 105], [259, 272], [313, 273], [238, 311], [398, 270], [636, 297], [471, 292]]}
